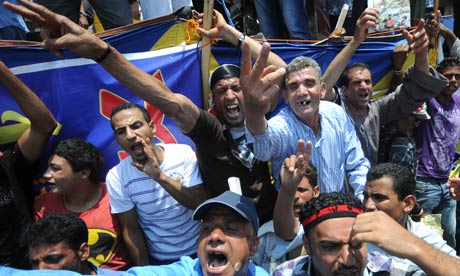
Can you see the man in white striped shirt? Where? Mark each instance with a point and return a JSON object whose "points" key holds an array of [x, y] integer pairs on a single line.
{"points": [[154, 190]]}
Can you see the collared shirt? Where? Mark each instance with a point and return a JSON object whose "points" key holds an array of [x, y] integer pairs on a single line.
{"points": [[302, 266], [336, 151]]}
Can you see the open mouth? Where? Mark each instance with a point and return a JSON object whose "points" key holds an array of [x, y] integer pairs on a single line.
{"points": [[303, 103], [217, 261], [363, 95], [233, 109], [137, 148]]}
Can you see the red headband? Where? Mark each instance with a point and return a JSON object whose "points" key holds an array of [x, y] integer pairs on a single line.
{"points": [[330, 210]]}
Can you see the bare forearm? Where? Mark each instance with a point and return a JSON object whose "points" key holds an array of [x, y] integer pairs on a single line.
{"points": [[449, 36], [284, 221], [337, 66], [231, 35], [137, 249], [178, 107], [189, 197], [34, 109], [431, 260]]}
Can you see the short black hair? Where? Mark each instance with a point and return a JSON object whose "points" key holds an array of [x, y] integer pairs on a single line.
{"points": [[346, 79], [448, 62], [402, 177], [81, 155], [127, 105], [54, 229], [325, 200], [312, 175]]}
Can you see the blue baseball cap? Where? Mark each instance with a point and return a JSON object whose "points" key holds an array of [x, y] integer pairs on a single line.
{"points": [[241, 204]]}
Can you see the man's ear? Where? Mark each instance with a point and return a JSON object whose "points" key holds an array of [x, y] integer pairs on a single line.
{"points": [[323, 89], [85, 173], [409, 203], [284, 93], [253, 246], [152, 127], [344, 90], [316, 191], [83, 251]]}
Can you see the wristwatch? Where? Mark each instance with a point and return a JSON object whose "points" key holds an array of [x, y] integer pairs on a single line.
{"points": [[240, 40]]}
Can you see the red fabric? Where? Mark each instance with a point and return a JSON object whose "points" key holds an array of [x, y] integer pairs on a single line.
{"points": [[329, 210], [105, 235]]}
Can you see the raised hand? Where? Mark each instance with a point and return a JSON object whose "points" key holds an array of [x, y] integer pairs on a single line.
{"points": [[219, 28], [259, 84], [59, 31], [418, 43], [151, 166], [294, 166], [367, 20]]}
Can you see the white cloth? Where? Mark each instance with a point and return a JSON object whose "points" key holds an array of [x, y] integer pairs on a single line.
{"points": [[156, 8], [168, 226]]}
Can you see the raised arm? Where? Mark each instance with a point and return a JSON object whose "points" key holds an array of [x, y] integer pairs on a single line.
{"points": [[231, 35], [284, 220], [418, 42], [190, 197], [368, 19], [60, 32], [42, 122], [383, 231], [259, 84]]}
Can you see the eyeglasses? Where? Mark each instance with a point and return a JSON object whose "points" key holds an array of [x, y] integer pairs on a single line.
{"points": [[450, 75]]}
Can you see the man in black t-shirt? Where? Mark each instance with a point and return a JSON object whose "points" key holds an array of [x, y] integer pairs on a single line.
{"points": [[17, 169]]}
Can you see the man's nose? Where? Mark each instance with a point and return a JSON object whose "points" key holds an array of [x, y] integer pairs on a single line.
{"points": [[369, 204], [346, 255], [130, 133], [47, 174]]}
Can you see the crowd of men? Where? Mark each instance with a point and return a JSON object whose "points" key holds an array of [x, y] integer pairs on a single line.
{"points": [[332, 208]]}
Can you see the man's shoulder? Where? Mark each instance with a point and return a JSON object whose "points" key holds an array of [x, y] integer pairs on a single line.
{"points": [[327, 108]]}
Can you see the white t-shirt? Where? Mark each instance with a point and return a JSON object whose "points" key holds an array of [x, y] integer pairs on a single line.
{"points": [[169, 229]]}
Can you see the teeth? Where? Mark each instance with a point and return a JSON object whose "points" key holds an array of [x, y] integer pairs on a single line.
{"points": [[234, 108], [303, 103], [216, 259]]}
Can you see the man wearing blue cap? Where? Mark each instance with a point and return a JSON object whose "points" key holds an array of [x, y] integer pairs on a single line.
{"points": [[228, 237]]}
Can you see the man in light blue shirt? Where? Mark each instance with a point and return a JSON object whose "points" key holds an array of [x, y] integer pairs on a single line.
{"points": [[336, 151], [391, 188]]}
